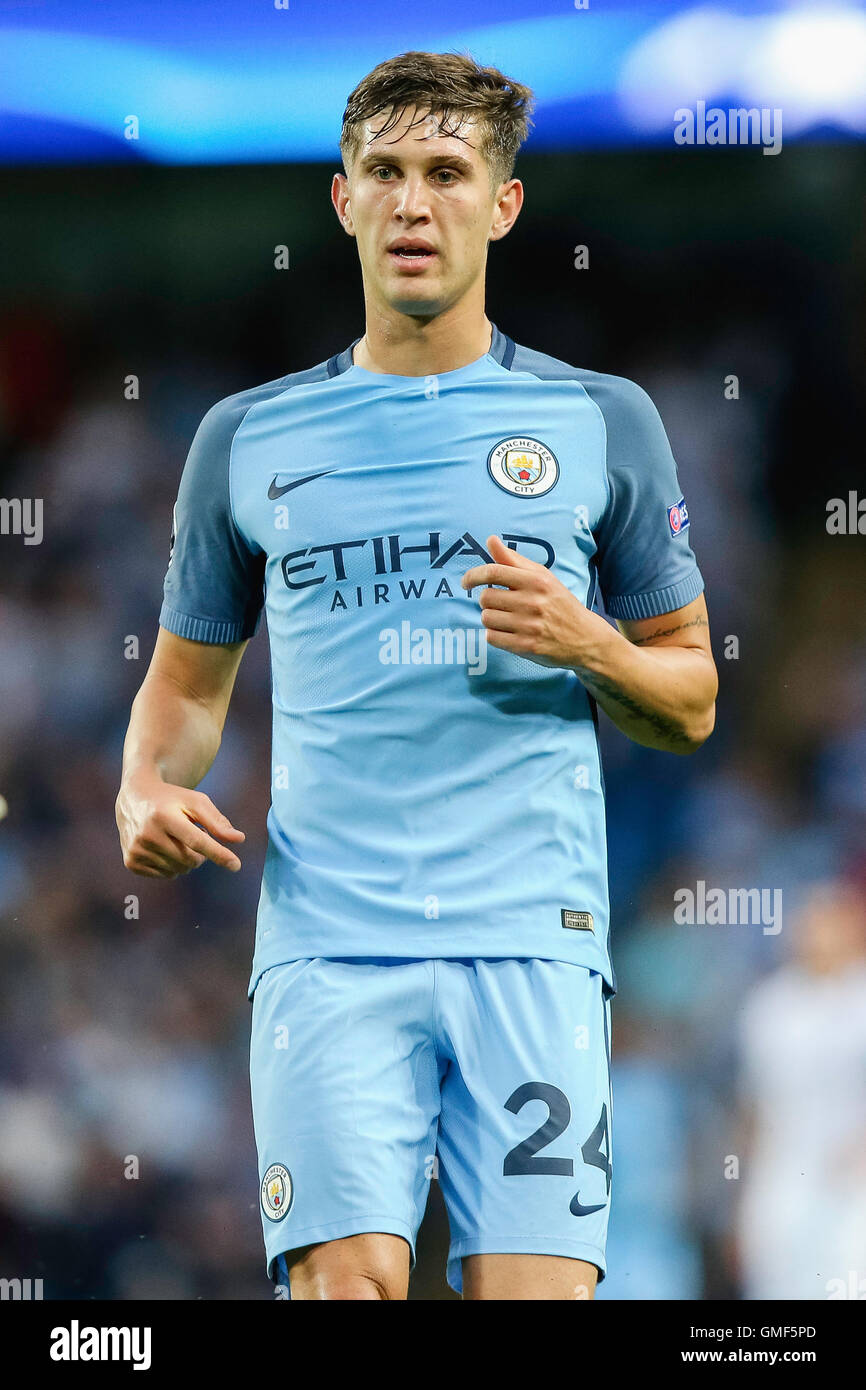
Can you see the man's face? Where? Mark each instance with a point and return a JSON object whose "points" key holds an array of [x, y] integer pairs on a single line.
{"points": [[422, 209]]}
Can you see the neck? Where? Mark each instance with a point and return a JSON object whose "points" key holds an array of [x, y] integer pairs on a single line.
{"points": [[399, 345]]}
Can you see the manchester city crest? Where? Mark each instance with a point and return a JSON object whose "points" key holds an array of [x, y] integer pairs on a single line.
{"points": [[277, 1192], [522, 466]]}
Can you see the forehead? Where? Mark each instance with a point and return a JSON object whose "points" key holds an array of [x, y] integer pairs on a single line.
{"points": [[417, 132]]}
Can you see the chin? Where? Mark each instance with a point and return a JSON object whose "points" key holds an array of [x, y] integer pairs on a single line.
{"points": [[424, 304]]}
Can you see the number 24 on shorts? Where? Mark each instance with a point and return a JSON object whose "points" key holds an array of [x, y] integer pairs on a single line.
{"points": [[525, 1156]]}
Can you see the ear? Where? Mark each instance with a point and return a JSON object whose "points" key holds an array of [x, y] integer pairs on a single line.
{"points": [[509, 201], [342, 203]]}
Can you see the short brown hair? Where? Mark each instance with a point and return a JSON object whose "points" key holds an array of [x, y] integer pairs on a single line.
{"points": [[448, 84]]}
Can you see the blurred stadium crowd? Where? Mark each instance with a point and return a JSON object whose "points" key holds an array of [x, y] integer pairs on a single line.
{"points": [[127, 1165]]}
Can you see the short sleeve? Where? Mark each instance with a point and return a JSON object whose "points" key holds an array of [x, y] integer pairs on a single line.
{"points": [[214, 585], [644, 560]]}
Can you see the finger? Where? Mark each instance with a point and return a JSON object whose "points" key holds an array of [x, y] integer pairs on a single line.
{"points": [[495, 620], [201, 843], [504, 555], [510, 642], [179, 829], [157, 841], [510, 599], [201, 808], [507, 575], [190, 858], [151, 866], [169, 849]]}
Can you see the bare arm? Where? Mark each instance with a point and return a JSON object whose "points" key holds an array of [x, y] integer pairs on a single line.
{"points": [[655, 678], [658, 682], [174, 733]]}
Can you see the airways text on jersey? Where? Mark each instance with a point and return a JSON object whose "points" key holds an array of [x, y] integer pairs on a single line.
{"points": [[391, 556]]}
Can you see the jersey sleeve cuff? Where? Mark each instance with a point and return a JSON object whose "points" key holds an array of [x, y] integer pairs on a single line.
{"points": [[214, 630], [657, 601]]}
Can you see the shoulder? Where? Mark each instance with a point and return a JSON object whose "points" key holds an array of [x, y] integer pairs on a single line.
{"points": [[617, 397], [223, 419]]}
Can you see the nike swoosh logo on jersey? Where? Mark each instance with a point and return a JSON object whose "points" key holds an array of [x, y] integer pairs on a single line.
{"points": [[577, 1210], [274, 492]]}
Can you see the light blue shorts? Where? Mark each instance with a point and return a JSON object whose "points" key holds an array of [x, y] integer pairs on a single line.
{"points": [[373, 1077]]}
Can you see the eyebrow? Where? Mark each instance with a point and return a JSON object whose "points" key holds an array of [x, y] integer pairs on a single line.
{"points": [[369, 161]]}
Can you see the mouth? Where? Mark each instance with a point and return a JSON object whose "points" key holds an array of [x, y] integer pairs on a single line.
{"points": [[412, 256]]}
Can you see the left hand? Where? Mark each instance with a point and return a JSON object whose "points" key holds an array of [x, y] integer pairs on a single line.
{"points": [[534, 615]]}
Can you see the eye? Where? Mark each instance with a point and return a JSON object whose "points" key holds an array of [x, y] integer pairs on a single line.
{"points": [[382, 169], [450, 175]]}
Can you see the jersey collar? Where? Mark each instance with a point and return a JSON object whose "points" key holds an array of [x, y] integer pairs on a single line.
{"points": [[501, 350]]}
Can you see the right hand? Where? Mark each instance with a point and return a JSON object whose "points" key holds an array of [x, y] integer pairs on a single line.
{"points": [[164, 829]]}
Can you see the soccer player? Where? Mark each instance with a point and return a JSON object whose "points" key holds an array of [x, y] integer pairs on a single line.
{"points": [[427, 518]]}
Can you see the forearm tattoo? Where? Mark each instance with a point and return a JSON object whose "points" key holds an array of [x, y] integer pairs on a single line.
{"points": [[607, 689], [699, 621]]}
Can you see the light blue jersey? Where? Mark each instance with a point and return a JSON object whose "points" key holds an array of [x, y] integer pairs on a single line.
{"points": [[432, 796]]}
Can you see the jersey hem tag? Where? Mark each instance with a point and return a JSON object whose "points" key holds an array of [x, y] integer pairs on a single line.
{"points": [[577, 921]]}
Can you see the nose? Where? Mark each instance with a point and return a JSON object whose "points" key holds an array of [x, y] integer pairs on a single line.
{"points": [[413, 204]]}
